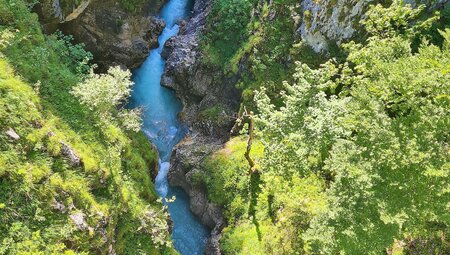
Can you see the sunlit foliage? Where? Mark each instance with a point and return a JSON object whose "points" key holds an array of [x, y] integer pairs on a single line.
{"points": [[356, 157]]}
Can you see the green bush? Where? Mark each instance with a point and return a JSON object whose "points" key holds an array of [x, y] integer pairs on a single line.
{"points": [[227, 29]]}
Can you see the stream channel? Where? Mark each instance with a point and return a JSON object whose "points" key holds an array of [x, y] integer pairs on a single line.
{"points": [[162, 127]]}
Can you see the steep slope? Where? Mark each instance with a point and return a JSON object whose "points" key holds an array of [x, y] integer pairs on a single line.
{"points": [[68, 185], [337, 21]]}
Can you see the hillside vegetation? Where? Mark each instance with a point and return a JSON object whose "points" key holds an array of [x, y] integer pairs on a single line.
{"points": [[70, 182], [352, 153]]}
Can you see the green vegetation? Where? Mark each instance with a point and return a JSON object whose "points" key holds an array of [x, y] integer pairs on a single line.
{"points": [[106, 94], [220, 44], [349, 155], [132, 5], [70, 183], [260, 36], [215, 114], [352, 154], [223, 171]]}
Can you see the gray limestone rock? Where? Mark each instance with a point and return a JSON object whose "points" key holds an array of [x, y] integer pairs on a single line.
{"points": [[12, 134]]}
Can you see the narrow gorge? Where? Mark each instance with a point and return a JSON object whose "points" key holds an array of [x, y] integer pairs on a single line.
{"points": [[224, 127], [162, 126]]}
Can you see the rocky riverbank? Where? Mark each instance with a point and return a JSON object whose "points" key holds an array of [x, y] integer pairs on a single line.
{"points": [[209, 102], [209, 99]]}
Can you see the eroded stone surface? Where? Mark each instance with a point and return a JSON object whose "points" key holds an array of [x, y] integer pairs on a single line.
{"points": [[339, 20], [187, 158], [114, 35]]}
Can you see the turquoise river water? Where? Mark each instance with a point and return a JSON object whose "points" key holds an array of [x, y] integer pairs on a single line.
{"points": [[162, 127]]}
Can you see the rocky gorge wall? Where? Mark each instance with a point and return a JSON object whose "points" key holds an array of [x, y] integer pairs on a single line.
{"points": [[114, 34], [330, 20], [200, 88], [339, 20], [117, 36]]}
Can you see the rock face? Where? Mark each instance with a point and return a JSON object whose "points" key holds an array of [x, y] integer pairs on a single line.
{"points": [[186, 161], [339, 20], [114, 35], [331, 20], [209, 101], [54, 12]]}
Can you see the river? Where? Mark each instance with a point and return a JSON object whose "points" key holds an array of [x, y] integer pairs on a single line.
{"points": [[162, 127]]}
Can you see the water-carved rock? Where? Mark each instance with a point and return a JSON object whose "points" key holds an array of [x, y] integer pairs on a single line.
{"points": [[209, 99], [115, 35], [186, 159]]}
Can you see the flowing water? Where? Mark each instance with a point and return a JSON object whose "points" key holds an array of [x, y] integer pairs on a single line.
{"points": [[162, 127]]}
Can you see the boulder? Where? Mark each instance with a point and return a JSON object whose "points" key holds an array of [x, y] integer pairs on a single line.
{"points": [[70, 154], [12, 134], [78, 218]]}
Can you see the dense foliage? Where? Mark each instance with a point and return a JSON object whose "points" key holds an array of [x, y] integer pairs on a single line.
{"points": [[356, 157], [106, 95], [132, 5], [70, 183], [257, 42]]}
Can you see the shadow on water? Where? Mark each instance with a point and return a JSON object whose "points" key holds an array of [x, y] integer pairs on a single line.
{"points": [[162, 127]]}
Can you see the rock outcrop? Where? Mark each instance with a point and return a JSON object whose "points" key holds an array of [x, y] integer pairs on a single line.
{"points": [[186, 161], [12, 134], [113, 34], [78, 218], [209, 99], [339, 20], [53, 12], [70, 154], [331, 20]]}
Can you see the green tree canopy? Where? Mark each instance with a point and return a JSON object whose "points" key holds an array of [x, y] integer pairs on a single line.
{"points": [[105, 93]]}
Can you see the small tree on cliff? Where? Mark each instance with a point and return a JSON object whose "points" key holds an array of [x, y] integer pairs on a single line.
{"points": [[105, 94]]}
